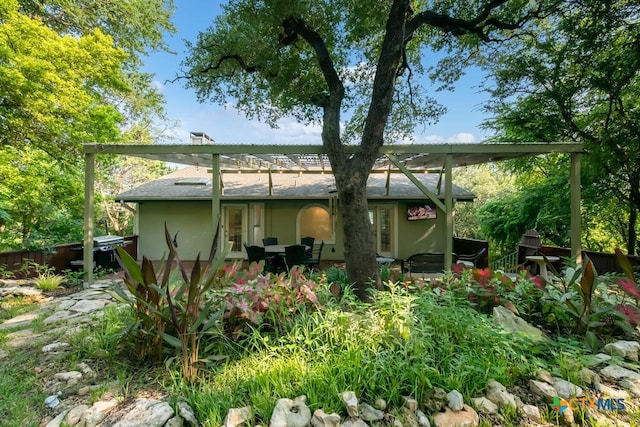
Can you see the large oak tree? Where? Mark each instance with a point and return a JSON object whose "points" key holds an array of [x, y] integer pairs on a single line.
{"points": [[353, 66]]}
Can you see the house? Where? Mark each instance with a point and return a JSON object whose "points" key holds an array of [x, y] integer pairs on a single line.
{"points": [[288, 205], [287, 192]]}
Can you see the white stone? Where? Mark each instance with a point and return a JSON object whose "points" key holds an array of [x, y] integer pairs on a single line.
{"points": [[186, 412], [498, 394], [148, 413], [368, 413], [56, 346], [567, 390], [484, 405], [66, 376], [618, 373], [291, 413], [532, 412], [357, 422], [423, 420], [239, 416], [380, 404], [456, 401], [322, 419], [351, 402], [410, 403], [627, 349], [75, 415], [542, 389], [612, 392]]}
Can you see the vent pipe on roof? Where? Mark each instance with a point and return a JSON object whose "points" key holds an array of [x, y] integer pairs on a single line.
{"points": [[199, 138]]}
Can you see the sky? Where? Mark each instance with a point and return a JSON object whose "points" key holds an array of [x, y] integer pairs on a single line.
{"points": [[227, 126]]}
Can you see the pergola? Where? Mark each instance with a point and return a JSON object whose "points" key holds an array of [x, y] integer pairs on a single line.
{"points": [[406, 158]]}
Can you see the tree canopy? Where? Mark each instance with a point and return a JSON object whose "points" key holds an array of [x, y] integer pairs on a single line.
{"points": [[69, 74], [578, 80], [354, 66]]}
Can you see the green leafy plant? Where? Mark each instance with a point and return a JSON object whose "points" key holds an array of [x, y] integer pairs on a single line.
{"points": [[49, 281], [171, 306], [5, 273]]}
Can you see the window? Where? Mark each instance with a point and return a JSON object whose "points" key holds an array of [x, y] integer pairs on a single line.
{"points": [[315, 221]]}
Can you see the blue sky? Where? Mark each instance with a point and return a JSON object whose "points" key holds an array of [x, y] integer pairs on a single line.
{"points": [[459, 124]]}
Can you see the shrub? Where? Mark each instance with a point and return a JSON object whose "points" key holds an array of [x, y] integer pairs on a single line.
{"points": [[48, 281]]}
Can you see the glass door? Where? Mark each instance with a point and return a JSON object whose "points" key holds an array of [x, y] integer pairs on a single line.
{"points": [[234, 225], [381, 217]]}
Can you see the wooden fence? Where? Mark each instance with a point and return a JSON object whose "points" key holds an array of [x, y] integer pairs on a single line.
{"points": [[60, 259]]}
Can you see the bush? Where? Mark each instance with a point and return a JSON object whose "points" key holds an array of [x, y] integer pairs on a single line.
{"points": [[49, 281]]}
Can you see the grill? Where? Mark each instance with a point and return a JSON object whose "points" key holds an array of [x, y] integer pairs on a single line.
{"points": [[104, 253]]}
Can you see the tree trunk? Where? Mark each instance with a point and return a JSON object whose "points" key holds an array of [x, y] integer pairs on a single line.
{"points": [[359, 244], [631, 230]]}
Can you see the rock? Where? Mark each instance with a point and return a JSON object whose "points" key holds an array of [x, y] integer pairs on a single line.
{"points": [[507, 320], [545, 376], [567, 390], [68, 376], [56, 346], [619, 373], [355, 422], [148, 413], [291, 413], [410, 403], [467, 417], [435, 399], [484, 405], [532, 412], [176, 421], [74, 416], [598, 359], [498, 394], [611, 392], [456, 401], [368, 413], [589, 377], [423, 420], [632, 386], [322, 419], [186, 412], [380, 404], [351, 402], [627, 349], [239, 417], [542, 389]]}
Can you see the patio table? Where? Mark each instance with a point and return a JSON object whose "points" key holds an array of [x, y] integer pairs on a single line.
{"points": [[279, 249]]}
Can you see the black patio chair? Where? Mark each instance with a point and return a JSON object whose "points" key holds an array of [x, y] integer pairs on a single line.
{"points": [[257, 254], [314, 261], [294, 255], [308, 241], [267, 241]]}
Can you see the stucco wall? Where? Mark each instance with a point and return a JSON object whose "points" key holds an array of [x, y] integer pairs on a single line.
{"points": [[192, 221]]}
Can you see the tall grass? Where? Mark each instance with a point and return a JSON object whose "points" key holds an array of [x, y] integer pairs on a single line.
{"points": [[402, 344]]}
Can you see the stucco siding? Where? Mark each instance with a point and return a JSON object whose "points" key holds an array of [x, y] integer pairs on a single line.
{"points": [[191, 220]]}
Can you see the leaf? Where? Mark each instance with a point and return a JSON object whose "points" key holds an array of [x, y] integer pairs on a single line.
{"points": [[203, 315], [129, 265], [587, 284], [173, 341], [624, 264]]}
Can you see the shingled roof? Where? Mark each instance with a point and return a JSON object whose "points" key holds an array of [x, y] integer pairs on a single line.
{"points": [[194, 183]]}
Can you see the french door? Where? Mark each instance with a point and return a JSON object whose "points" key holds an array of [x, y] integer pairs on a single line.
{"points": [[383, 219], [242, 223]]}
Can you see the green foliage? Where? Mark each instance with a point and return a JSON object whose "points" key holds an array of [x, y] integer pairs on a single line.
{"points": [[49, 281], [171, 310], [580, 84]]}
